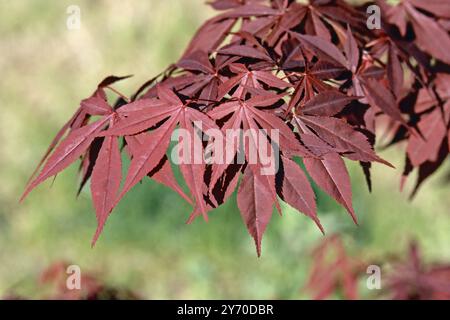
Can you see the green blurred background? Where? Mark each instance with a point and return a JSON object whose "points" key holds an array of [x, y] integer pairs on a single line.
{"points": [[146, 246]]}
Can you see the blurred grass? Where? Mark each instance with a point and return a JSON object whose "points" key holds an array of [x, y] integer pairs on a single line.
{"points": [[146, 246]]}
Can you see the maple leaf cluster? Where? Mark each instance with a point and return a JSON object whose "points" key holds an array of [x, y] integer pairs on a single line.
{"points": [[314, 72], [413, 279], [334, 270]]}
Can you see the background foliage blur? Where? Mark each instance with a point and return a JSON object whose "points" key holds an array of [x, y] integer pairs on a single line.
{"points": [[146, 246]]}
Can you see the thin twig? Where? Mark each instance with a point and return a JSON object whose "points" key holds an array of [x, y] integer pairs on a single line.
{"points": [[119, 94]]}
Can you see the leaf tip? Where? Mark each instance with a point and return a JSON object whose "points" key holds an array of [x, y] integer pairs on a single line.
{"points": [[319, 225]]}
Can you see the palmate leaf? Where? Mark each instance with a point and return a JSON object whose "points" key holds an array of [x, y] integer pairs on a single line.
{"points": [[313, 73], [246, 114], [246, 79], [145, 159]]}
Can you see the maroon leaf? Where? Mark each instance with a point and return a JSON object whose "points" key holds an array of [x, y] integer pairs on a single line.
{"points": [[96, 106], [149, 155], [331, 175], [105, 182], [141, 115], [162, 173], [209, 36], [383, 98], [197, 61], [426, 146], [297, 192], [69, 150], [327, 103], [250, 10], [351, 51], [395, 72], [430, 36], [324, 48], [343, 137], [245, 51], [256, 205]]}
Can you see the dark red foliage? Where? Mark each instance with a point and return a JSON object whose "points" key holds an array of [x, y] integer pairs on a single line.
{"points": [[52, 284], [335, 272], [315, 73], [414, 280]]}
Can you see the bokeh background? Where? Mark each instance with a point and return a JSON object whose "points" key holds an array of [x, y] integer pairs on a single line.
{"points": [[46, 69]]}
